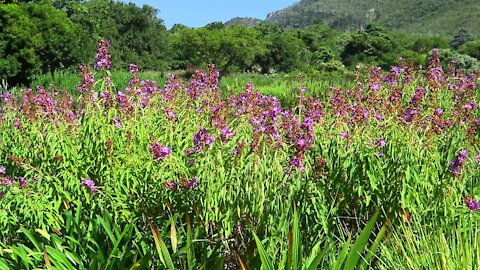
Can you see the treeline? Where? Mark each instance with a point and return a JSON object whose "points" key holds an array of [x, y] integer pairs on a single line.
{"points": [[43, 36]]}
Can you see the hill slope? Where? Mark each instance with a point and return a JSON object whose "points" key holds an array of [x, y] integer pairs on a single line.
{"points": [[444, 17]]}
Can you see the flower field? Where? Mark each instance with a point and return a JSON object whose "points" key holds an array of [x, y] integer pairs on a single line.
{"points": [[382, 175]]}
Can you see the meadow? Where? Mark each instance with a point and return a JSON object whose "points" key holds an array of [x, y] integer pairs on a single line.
{"points": [[117, 171]]}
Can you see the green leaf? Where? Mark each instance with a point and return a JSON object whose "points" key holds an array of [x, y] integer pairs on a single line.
{"points": [[294, 243], [316, 258], [343, 254], [32, 238], [190, 251], [266, 263], [375, 245], [162, 249], [361, 242]]}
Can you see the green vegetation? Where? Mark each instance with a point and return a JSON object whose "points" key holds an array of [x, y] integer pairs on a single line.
{"points": [[46, 37], [187, 176], [437, 17]]}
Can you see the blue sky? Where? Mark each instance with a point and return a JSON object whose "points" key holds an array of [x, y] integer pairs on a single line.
{"points": [[196, 13]]}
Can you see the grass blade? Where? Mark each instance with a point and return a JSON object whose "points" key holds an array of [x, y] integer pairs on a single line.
{"points": [[361, 242], [162, 249], [266, 263]]}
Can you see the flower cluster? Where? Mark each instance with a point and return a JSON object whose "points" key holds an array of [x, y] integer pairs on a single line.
{"points": [[201, 139], [472, 203], [187, 184], [90, 184], [159, 151], [103, 59], [456, 164]]}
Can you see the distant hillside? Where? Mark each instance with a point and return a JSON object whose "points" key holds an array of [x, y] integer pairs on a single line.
{"points": [[444, 17], [250, 22]]}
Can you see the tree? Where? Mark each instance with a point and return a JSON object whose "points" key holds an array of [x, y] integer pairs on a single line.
{"points": [[462, 37], [36, 38], [471, 48], [368, 45]]}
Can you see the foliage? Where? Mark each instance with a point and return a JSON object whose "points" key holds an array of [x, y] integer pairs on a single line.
{"points": [[471, 48], [416, 246], [184, 174], [430, 17], [36, 38]]}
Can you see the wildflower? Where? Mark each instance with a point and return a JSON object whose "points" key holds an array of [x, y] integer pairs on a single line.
{"points": [[478, 158], [438, 112], [117, 121], [296, 162], [103, 58], [379, 142], [380, 154], [191, 184], [170, 185], [90, 184], [17, 123], [226, 134], [457, 163], [235, 151], [470, 106], [88, 80], [22, 182], [472, 203], [462, 157], [3, 170], [201, 139], [344, 135], [133, 68], [6, 181], [159, 151]]}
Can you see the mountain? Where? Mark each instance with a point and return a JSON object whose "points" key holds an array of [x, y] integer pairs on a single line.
{"points": [[437, 17], [250, 22]]}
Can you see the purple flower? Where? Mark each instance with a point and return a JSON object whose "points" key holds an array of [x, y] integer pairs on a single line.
{"points": [[235, 151], [462, 157], [438, 112], [226, 134], [159, 151], [3, 170], [170, 185], [472, 204], [22, 182], [470, 106], [455, 167], [6, 181], [380, 154], [344, 135], [379, 142], [90, 184], [103, 58], [191, 183], [133, 68], [117, 121], [296, 162], [478, 158], [201, 139], [457, 163]]}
